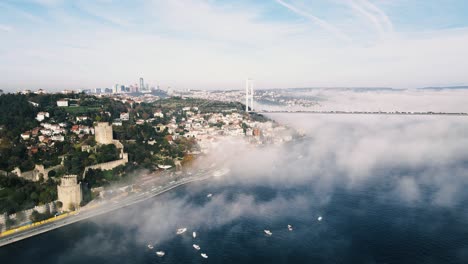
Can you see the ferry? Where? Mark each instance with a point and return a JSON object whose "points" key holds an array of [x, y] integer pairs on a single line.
{"points": [[195, 246], [150, 246], [181, 231], [160, 253], [194, 234], [290, 228], [268, 232], [204, 255]]}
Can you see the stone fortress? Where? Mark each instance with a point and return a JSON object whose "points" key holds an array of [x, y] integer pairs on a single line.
{"points": [[103, 136], [69, 192], [103, 133]]}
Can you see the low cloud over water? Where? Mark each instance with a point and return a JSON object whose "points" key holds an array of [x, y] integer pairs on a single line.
{"points": [[409, 162]]}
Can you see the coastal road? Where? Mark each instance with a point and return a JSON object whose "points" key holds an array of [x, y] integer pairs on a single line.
{"points": [[102, 208]]}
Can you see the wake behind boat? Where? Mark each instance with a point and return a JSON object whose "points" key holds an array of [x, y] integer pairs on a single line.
{"points": [[195, 246], [268, 232], [181, 231], [221, 172]]}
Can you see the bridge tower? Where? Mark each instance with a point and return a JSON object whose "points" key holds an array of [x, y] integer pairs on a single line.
{"points": [[249, 95]]}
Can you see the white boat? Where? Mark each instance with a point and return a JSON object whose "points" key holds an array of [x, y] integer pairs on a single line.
{"points": [[194, 234], [268, 232], [160, 253], [209, 195], [319, 218], [150, 246], [204, 255], [181, 231], [195, 246], [164, 167], [290, 228]]}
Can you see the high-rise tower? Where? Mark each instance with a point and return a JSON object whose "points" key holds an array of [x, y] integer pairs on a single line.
{"points": [[249, 95], [142, 85]]}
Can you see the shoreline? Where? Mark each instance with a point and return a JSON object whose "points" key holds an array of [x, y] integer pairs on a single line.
{"points": [[77, 216]]}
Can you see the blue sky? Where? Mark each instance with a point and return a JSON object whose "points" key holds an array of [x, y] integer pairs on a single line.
{"points": [[216, 44]]}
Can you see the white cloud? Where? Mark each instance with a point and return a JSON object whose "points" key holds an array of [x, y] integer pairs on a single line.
{"points": [[376, 16], [320, 22], [6, 28], [205, 44]]}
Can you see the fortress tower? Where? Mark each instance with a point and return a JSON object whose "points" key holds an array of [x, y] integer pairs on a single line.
{"points": [[69, 192], [103, 133]]}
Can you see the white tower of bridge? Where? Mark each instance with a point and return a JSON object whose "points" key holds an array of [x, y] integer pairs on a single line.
{"points": [[249, 95]]}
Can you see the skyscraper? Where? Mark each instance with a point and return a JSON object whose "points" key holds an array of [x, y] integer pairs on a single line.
{"points": [[142, 85]]}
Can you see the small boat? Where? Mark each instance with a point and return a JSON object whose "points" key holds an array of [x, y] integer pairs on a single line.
{"points": [[268, 232], [290, 228], [160, 253], [194, 234], [181, 231], [204, 255], [195, 246], [150, 246], [319, 218], [209, 195]]}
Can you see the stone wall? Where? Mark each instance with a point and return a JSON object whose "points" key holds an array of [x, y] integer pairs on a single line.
{"points": [[35, 175], [23, 217], [108, 165]]}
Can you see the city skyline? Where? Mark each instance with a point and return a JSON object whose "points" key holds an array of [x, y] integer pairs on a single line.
{"points": [[216, 44]]}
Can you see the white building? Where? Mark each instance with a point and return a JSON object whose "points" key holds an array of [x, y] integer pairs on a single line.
{"points": [[158, 114], [124, 116], [41, 116], [62, 102]]}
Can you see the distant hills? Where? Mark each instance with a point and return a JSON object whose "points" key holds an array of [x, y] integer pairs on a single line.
{"points": [[445, 88], [369, 89]]}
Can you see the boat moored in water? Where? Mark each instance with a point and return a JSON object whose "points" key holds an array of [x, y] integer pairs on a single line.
{"points": [[181, 231]]}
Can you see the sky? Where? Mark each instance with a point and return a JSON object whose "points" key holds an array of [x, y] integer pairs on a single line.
{"points": [[217, 44]]}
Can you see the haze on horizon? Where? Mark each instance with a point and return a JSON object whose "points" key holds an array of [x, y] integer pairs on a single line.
{"points": [[216, 44]]}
